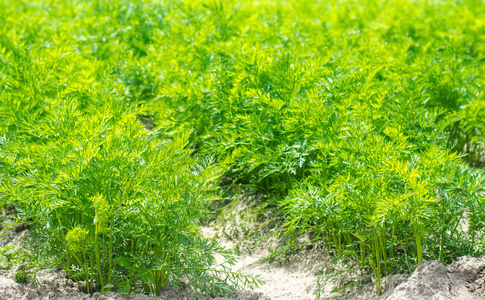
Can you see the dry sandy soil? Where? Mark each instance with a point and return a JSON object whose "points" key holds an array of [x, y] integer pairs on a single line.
{"points": [[293, 279]]}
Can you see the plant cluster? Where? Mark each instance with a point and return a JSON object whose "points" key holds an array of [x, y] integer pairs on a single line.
{"points": [[361, 121], [110, 202]]}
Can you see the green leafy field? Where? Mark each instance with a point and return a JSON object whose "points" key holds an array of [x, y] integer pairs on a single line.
{"points": [[363, 122]]}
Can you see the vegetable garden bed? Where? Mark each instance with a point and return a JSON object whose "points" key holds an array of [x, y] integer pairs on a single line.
{"points": [[361, 122]]}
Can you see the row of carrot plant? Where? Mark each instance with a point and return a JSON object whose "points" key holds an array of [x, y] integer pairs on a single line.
{"points": [[362, 121]]}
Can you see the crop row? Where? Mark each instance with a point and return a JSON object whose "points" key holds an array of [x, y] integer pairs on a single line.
{"points": [[362, 121]]}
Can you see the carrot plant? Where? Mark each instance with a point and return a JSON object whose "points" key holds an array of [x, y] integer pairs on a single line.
{"points": [[361, 121], [355, 117], [111, 203]]}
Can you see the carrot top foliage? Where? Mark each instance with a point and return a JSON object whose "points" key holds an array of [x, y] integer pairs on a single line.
{"points": [[111, 203], [363, 121]]}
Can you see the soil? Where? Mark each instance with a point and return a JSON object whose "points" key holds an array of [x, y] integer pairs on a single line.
{"points": [[294, 278]]}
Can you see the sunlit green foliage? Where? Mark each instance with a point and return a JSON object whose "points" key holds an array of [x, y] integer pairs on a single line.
{"points": [[359, 119], [347, 113], [111, 203]]}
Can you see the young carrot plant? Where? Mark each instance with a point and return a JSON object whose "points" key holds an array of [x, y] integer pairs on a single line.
{"points": [[359, 120], [111, 203]]}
